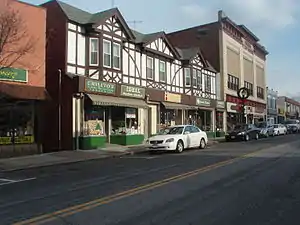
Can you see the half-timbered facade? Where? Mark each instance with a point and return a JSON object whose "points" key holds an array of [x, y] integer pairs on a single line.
{"points": [[119, 84]]}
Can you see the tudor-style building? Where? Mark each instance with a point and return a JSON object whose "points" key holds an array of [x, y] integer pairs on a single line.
{"points": [[110, 84]]}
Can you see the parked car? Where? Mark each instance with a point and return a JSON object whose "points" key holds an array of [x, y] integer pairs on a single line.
{"points": [[178, 138], [280, 129], [266, 130], [243, 132], [293, 126]]}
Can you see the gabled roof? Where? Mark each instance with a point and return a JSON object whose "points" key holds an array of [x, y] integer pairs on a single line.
{"points": [[190, 53], [83, 17], [146, 39]]}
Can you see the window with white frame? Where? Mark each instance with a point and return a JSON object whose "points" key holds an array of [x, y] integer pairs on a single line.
{"points": [[199, 80], [187, 74], [150, 67], [107, 53], [94, 51], [116, 56], [207, 83], [162, 71], [194, 78]]}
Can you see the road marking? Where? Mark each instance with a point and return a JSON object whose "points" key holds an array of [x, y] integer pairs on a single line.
{"points": [[8, 181], [108, 199]]}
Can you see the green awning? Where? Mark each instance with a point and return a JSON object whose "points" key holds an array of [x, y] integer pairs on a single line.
{"points": [[116, 101]]}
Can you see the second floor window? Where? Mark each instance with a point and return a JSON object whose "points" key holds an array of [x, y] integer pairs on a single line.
{"points": [[116, 56], [106, 53], [199, 80], [233, 82], [194, 78], [207, 84], [260, 93], [94, 51], [249, 86], [150, 68], [162, 71], [187, 74]]}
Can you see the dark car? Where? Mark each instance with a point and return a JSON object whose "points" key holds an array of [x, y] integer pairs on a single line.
{"points": [[244, 132], [292, 126]]}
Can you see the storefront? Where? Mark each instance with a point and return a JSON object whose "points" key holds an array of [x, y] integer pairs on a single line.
{"points": [[114, 114], [281, 115], [220, 113], [21, 129]]}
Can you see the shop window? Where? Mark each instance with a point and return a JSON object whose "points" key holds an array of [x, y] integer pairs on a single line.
{"points": [[125, 121], [200, 118], [94, 122], [219, 120], [187, 74], [17, 123]]}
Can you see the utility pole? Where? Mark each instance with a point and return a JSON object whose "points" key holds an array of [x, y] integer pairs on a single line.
{"points": [[134, 22]]}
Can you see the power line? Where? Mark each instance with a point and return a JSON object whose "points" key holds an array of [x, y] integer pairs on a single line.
{"points": [[134, 22]]}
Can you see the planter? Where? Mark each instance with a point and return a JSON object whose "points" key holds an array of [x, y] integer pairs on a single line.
{"points": [[122, 139], [92, 142]]}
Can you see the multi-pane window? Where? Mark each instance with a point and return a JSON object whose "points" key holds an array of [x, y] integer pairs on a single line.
{"points": [[260, 93], [233, 82], [106, 53], [162, 71], [150, 68], [94, 51], [249, 86], [199, 80], [194, 78], [116, 56], [207, 83], [187, 74]]}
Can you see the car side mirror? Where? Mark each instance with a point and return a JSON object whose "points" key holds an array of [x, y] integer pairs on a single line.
{"points": [[187, 132]]}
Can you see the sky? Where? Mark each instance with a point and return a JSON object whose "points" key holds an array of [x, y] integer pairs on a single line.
{"points": [[275, 22]]}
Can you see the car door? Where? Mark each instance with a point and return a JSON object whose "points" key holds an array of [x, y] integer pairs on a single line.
{"points": [[195, 135], [188, 137]]}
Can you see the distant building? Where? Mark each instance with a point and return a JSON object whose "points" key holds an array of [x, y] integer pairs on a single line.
{"points": [[288, 108], [272, 111]]}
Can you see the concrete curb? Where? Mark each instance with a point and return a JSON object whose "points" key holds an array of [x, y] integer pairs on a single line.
{"points": [[116, 155]]}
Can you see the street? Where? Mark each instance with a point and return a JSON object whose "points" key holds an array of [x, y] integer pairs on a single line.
{"points": [[254, 182]]}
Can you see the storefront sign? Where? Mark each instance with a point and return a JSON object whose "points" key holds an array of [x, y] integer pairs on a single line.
{"points": [[18, 140], [203, 102], [170, 97], [130, 113], [220, 105], [131, 91], [232, 107], [99, 86], [13, 74]]}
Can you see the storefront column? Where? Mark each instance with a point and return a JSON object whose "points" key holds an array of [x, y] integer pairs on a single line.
{"points": [[213, 120], [183, 116], [109, 125], [225, 121], [142, 121]]}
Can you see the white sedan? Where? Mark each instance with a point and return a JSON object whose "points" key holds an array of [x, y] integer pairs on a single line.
{"points": [[279, 129], [177, 138]]}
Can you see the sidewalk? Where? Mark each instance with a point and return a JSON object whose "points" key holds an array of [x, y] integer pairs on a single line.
{"points": [[67, 157]]}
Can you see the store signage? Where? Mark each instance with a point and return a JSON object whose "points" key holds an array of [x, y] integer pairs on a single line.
{"points": [[13, 74], [203, 102], [17, 140], [131, 91], [130, 113], [99, 86], [220, 105], [170, 97]]}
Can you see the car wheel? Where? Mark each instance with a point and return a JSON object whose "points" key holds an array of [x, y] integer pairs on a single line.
{"points": [[179, 147], [267, 134], [256, 136], [247, 137], [202, 144]]}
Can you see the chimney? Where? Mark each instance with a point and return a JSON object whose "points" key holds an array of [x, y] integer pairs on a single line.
{"points": [[221, 15]]}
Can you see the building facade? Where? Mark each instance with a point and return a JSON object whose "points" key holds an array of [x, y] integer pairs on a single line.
{"points": [[272, 109], [22, 79], [235, 53], [111, 84], [288, 108]]}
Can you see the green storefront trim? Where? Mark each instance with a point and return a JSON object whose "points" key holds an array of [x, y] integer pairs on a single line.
{"points": [[92, 142], [211, 134], [135, 139]]}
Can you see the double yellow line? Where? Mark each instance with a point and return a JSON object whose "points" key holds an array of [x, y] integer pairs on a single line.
{"points": [[101, 201]]}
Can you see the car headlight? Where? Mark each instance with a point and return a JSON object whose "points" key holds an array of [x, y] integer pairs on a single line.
{"points": [[241, 133], [169, 140]]}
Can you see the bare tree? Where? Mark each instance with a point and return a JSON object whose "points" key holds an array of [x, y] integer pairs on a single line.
{"points": [[15, 41]]}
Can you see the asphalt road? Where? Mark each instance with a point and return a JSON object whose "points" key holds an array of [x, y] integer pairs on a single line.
{"points": [[257, 182]]}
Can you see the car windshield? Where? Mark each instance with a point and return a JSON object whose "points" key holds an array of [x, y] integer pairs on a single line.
{"points": [[275, 126], [175, 130], [241, 127], [163, 131], [261, 125]]}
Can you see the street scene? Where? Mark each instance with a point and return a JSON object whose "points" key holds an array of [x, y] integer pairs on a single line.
{"points": [[179, 113]]}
